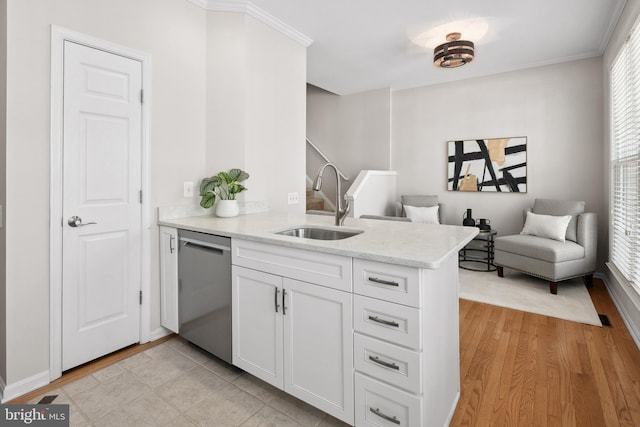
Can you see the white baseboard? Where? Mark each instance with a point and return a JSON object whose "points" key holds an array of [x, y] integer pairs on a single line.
{"points": [[160, 332], [626, 300], [34, 382]]}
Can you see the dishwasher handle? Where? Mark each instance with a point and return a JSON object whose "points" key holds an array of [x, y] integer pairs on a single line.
{"points": [[205, 245]]}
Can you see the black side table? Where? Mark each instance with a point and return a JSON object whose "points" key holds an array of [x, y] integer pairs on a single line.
{"points": [[478, 255]]}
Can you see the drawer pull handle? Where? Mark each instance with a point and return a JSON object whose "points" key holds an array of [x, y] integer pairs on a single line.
{"points": [[384, 322], [383, 282], [384, 416], [391, 365], [284, 304]]}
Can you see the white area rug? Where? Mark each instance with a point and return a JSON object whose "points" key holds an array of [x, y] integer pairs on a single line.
{"points": [[526, 293]]}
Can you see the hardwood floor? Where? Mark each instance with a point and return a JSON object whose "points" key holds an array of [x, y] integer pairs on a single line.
{"points": [[522, 369]]}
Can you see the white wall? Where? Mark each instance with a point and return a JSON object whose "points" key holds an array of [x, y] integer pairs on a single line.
{"points": [[559, 108], [276, 116], [354, 131], [256, 82], [174, 33], [226, 84]]}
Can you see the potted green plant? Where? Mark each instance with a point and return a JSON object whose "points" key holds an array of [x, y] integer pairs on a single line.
{"points": [[223, 187]]}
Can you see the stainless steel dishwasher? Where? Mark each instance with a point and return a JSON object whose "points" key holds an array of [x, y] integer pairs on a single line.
{"points": [[204, 295]]}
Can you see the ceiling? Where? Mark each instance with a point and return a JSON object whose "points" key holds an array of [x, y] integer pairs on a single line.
{"points": [[360, 45]]}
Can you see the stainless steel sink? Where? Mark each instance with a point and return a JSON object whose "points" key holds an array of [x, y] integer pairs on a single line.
{"points": [[317, 233]]}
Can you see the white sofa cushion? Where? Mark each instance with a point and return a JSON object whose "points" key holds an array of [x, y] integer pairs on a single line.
{"points": [[538, 248]]}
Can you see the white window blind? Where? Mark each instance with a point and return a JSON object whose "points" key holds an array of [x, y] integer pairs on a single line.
{"points": [[625, 160]]}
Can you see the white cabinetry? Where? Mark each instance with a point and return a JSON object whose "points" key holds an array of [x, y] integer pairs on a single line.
{"points": [[406, 347], [292, 323], [257, 324], [318, 347], [169, 278], [371, 343]]}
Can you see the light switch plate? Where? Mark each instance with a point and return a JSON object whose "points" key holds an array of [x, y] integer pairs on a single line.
{"points": [[293, 198]]}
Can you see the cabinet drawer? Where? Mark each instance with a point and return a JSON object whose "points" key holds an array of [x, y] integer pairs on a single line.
{"points": [[390, 363], [324, 269], [380, 405], [388, 282], [388, 321]]}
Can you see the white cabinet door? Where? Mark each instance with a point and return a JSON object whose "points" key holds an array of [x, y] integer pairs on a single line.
{"points": [[169, 278], [257, 324], [318, 347]]}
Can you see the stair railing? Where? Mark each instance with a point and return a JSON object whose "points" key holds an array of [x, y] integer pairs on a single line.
{"points": [[325, 158]]}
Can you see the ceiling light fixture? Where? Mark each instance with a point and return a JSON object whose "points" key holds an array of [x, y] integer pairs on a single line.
{"points": [[453, 53]]}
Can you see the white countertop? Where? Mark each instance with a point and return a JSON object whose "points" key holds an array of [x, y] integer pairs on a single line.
{"points": [[404, 243]]}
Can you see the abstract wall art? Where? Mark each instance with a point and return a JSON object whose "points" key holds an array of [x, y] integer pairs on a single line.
{"points": [[488, 165]]}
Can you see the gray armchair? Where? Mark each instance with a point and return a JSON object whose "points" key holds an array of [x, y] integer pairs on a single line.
{"points": [[550, 259]]}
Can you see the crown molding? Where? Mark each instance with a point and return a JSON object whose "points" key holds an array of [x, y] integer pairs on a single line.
{"points": [[615, 18], [227, 5], [244, 6]]}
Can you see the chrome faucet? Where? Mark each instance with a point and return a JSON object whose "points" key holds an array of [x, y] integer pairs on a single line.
{"points": [[341, 214]]}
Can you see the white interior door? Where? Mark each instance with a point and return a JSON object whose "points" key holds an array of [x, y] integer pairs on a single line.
{"points": [[101, 239]]}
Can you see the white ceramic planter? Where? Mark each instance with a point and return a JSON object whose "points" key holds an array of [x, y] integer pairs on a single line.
{"points": [[227, 208]]}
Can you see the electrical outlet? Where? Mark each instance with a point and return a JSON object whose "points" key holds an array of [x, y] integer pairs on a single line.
{"points": [[293, 198], [188, 189]]}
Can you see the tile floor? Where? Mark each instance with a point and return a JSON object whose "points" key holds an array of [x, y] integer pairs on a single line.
{"points": [[176, 384]]}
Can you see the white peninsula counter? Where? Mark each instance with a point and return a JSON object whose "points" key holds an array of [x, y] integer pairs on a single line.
{"points": [[364, 328]]}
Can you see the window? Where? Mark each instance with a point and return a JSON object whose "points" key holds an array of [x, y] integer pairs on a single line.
{"points": [[625, 160]]}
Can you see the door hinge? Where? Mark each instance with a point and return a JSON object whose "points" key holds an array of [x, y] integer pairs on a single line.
{"points": [[140, 194], [140, 297], [141, 96]]}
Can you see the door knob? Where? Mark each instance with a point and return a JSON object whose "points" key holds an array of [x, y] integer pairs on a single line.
{"points": [[76, 221]]}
